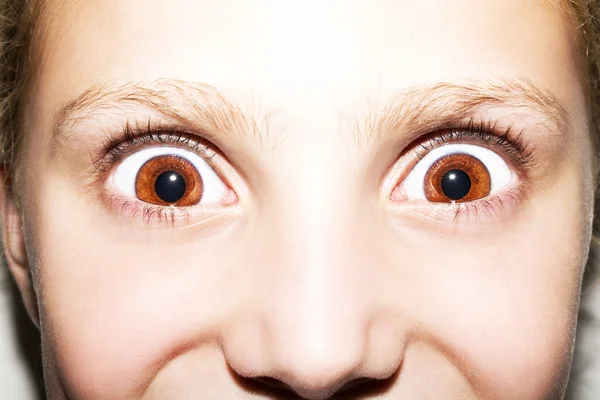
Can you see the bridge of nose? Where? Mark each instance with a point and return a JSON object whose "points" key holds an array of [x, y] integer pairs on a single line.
{"points": [[314, 321]]}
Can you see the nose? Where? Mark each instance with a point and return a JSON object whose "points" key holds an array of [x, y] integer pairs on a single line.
{"points": [[314, 324]]}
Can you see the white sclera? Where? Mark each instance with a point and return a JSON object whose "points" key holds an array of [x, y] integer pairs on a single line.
{"points": [[500, 173], [124, 177]]}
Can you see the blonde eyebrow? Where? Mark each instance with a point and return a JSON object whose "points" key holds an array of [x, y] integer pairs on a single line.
{"points": [[415, 109], [418, 109], [187, 103]]}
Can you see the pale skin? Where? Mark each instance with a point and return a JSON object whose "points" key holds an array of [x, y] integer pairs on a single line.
{"points": [[316, 271]]}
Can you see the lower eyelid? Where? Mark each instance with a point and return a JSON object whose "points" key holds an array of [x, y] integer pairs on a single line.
{"points": [[494, 206], [203, 157], [490, 209], [136, 212], [135, 209]]}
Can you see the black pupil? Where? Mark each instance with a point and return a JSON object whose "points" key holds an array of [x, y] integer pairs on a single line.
{"points": [[456, 184], [170, 186]]}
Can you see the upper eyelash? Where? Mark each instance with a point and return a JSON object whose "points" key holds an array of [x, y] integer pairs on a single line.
{"points": [[132, 137], [509, 141], [120, 144], [512, 144]]}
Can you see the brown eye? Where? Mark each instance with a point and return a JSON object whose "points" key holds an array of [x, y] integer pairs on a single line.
{"points": [[171, 176], [457, 177], [169, 180], [455, 172]]}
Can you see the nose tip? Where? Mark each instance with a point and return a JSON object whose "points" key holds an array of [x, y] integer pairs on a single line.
{"points": [[313, 366], [326, 380], [316, 326], [317, 375]]}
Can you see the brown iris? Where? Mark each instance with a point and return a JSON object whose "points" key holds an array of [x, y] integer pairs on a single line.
{"points": [[169, 180], [457, 177]]}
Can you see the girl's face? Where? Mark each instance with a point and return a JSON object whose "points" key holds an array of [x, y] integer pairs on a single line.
{"points": [[238, 199]]}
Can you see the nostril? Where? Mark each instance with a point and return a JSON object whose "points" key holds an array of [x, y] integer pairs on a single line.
{"points": [[355, 387], [272, 382], [266, 386], [367, 387], [354, 383], [274, 385]]}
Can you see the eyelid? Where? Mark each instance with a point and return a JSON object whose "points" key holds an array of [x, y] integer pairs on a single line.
{"points": [[135, 161], [511, 146], [494, 162], [510, 143], [134, 138]]}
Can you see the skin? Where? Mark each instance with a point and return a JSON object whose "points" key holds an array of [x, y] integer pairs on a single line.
{"points": [[317, 269]]}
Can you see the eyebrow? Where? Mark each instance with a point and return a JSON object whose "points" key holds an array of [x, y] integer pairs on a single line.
{"points": [[431, 106], [186, 103], [415, 109]]}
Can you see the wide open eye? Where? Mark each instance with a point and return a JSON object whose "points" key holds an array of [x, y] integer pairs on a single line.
{"points": [[168, 176], [456, 173]]}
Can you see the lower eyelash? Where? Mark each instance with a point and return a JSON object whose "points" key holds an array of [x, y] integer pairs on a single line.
{"points": [[132, 138], [506, 142], [492, 207], [148, 213]]}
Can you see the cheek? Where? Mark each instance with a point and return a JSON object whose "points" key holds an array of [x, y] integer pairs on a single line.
{"points": [[503, 302], [115, 305], [118, 303], [512, 319]]}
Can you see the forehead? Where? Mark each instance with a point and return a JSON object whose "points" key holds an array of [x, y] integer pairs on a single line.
{"points": [[304, 57]]}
